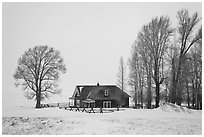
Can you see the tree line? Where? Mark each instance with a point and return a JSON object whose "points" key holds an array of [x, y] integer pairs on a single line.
{"points": [[165, 65], [165, 62]]}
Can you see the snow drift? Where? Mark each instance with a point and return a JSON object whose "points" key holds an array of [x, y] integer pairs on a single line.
{"points": [[169, 107]]}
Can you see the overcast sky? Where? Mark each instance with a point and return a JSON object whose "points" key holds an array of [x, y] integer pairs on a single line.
{"points": [[90, 36]]}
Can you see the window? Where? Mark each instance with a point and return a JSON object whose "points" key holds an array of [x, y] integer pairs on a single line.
{"points": [[107, 104], [78, 103], [106, 93], [71, 102]]}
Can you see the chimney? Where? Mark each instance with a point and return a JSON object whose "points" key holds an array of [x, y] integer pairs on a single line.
{"points": [[98, 84]]}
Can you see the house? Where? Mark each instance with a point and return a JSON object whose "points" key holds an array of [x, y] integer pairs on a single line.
{"points": [[105, 96]]}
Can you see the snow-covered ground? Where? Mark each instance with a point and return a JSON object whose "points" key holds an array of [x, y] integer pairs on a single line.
{"points": [[163, 120]]}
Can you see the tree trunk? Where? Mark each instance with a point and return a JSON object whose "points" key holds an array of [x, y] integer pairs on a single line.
{"points": [[149, 94], [142, 98], [173, 92], [179, 94], [199, 96], [173, 84], [188, 95], [177, 82], [193, 95], [157, 94], [135, 97], [157, 83], [142, 86], [38, 98], [196, 89], [166, 92]]}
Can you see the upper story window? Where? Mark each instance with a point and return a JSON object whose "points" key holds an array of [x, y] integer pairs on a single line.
{"points": [[106, 92]]}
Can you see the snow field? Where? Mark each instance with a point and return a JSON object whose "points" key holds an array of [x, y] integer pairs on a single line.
{"points": [[160, 121]]}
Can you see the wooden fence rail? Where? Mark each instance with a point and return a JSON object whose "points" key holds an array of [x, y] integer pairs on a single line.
{"points": [[66, 106]]}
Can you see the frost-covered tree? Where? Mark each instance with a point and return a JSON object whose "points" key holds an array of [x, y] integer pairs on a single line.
{"points": [[38, 71]]}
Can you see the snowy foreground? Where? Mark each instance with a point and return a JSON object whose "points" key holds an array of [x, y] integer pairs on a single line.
{"points": [[164, 120]]}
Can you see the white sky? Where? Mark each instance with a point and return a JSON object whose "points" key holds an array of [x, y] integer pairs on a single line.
{"points": [[90, 36]]}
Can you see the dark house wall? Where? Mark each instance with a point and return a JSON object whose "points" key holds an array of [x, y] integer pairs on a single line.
{"points": [[99, 103], [114, 103], [126, 102]]}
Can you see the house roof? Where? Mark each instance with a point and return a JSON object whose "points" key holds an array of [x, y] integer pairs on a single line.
{"points": [[97, 92]]}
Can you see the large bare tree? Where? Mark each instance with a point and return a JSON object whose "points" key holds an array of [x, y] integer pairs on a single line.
{"points": [[38, 71], [154, 38], [147, 65], [187, 39]]}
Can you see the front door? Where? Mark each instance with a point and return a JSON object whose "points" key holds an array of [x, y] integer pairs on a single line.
{"points": [[107, 104]]}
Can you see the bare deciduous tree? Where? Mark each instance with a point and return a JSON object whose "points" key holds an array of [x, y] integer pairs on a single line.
{"points": [[196, 75], [186, 27], [38, 71], [147, 63], [137, 74], [121, 81], [133, 73], [154, 37], [154, 57]]}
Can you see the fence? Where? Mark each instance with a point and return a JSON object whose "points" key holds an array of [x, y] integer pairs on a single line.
{"points": [[67, 106]]}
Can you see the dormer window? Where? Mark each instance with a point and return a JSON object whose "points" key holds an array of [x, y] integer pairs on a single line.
{"points": [[106, 93]]}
